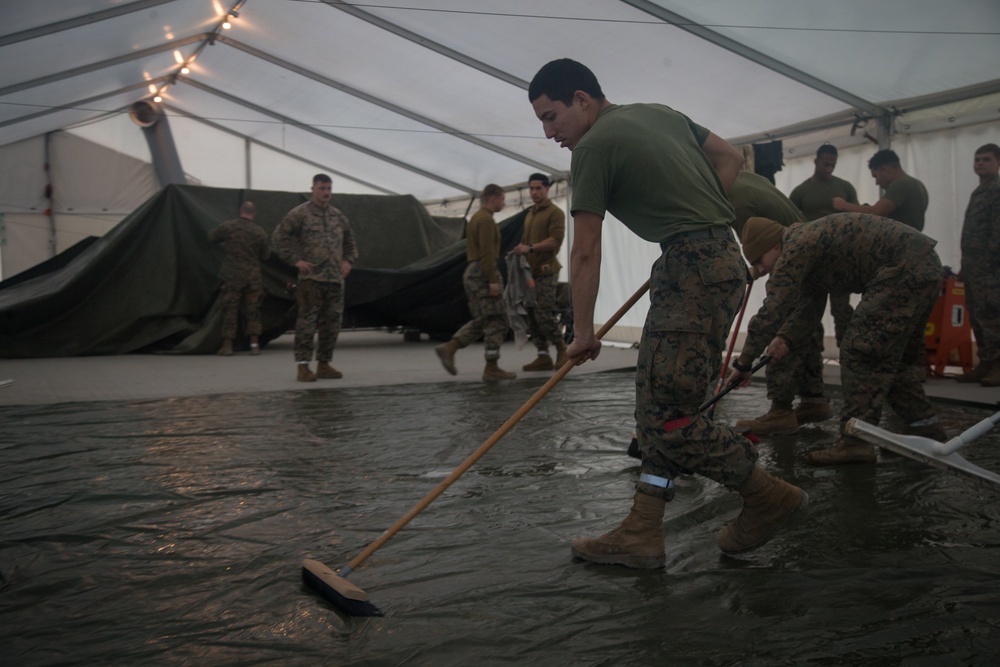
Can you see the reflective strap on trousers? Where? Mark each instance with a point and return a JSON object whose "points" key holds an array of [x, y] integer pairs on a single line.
{"points": [[653, 480]]}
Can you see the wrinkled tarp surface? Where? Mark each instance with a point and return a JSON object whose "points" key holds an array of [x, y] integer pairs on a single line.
{"points": [[150, 284], [171, 532]]}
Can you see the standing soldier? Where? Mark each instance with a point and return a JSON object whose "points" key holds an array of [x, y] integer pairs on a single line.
{"points": [[544, 230], [246, 246], [814, 196], [981, 266], [898, 275], [905, 197], [316, 238], [484, 289], [801, 372]]}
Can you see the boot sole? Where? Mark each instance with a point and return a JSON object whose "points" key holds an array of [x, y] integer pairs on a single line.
{"points": [[634, 562], [788, 518]]}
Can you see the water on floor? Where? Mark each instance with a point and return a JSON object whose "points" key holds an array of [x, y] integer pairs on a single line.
{"points": [[171, 532]]}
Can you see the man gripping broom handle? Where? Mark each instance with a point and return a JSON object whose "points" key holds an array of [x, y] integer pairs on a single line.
{"points": [[354, 601]]}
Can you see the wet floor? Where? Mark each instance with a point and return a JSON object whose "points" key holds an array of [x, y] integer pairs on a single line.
{"points": [[171, 532]]}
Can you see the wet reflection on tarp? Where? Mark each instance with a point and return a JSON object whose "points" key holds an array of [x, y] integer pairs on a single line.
{"points": [[170, 532]]}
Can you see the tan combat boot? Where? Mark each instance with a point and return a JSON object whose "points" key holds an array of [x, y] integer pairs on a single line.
{"points": [[768, 503], [494, 372], [543, 362], [446, 353], [977, 373], [847, 449], [227, 348], [305, 375], [561, 356], [992, 379], [325, 371], [813, 410], [637, 542], [779, 420], [254, 345]]}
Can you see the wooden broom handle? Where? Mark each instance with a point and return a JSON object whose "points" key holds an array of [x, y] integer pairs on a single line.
{"points": [[492, 440]]}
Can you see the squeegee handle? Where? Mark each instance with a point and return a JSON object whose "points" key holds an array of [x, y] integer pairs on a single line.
{"points": [[732, 385], [968, 435], [492, 440]]}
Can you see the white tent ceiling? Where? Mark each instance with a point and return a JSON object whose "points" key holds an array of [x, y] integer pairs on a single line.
{"points": [[428, 97]]}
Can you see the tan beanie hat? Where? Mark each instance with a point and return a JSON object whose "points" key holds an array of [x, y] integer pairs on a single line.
{"points": [[759, 236]]}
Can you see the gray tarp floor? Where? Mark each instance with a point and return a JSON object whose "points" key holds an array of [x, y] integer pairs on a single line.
{"points": [[155, 509]]}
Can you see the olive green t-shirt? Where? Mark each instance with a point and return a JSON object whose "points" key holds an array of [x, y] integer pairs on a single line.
{"points": [[910, 197], [815, 198], [753, 196], [643, 163]]}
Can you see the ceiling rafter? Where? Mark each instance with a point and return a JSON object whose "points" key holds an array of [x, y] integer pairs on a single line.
{"points": [[328, 136], [81, 103], [389, 106], [753, 55], [86, 19], [103, 64], [426, 43], [271, 147]]}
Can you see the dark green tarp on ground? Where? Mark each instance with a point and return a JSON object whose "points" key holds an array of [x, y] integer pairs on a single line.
{"points": [[150, 284]]}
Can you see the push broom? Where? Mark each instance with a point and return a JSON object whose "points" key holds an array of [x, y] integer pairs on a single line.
{"points": [[351, 599], [943, 455]]}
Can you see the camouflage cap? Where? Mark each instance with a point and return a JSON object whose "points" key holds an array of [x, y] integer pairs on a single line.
{"points": [[759, 236]]}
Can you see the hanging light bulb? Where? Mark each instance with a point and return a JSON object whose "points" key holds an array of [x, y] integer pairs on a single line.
{"points": [[157, 99], [226, 25], [185, 70]]}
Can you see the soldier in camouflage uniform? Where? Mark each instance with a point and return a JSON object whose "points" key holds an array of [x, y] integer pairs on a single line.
{"points": [[981, 266], [484, 289], [246, 245], [544, 229], [801, 372], [904, 199], [898, 275], [665, 178], [316, 238]]}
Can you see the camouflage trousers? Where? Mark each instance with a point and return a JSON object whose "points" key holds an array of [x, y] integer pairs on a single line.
{"points": [[883, 342], [695, 292], [489, 315], [231, 297], [982, 300], [321, 308], [542, 322], [800, 372]]}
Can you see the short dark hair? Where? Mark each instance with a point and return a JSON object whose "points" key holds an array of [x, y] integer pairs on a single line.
{"points": [[539, 177], [321, 178], [826, 149], [492, 190], [989, 148], [559, 79], [882, 158]]}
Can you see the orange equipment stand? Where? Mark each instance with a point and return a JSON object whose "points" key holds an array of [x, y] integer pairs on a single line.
{"points": [[948, 329]]}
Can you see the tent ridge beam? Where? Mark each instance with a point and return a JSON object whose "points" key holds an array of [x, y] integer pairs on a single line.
{"points": [[753, 55], [86, 19], [326, 135], [426, 43], [377, 101]]}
